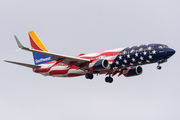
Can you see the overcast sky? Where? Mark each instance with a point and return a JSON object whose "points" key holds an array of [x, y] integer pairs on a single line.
{"points": [[72, 27]]}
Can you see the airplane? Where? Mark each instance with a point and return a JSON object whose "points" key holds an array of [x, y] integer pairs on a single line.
{"points": [[126, 61]]}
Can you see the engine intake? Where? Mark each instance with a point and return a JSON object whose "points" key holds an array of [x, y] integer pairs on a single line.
{"points": [[98, 65], [133, 71]]}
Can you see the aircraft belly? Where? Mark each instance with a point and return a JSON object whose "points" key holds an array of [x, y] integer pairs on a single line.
{"points": [[58, 70], [63, 71], [76, 71]]}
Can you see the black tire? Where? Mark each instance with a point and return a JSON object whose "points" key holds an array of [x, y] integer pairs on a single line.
{"points": [[159, 67], [89, 76], [109, 79], [106, 79]]}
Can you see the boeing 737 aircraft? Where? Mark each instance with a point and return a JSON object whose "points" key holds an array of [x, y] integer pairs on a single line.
{"points": [[126, 61]]}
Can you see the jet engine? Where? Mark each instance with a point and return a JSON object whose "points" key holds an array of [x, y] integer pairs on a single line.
{"points": [[98, 65], [133, 71]]}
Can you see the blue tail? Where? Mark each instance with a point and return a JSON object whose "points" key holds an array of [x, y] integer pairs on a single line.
{"points": [[38, 45]]}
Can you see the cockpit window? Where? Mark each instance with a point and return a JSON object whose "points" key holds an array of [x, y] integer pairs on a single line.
{"points": [[162, 46], [165, 46]]}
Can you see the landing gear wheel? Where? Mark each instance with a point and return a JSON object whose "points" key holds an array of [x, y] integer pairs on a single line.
{"points": [[109, 79], [89, 76], [159, 67]]}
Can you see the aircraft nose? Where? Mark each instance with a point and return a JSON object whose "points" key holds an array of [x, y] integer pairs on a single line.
{"points": [[171, 51]]}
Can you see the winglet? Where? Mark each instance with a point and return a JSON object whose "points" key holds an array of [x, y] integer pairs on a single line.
{"points": [[18, 42]]}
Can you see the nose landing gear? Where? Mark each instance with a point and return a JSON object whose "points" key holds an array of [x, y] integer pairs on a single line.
{"points": [[159, 67], [160, 62]]}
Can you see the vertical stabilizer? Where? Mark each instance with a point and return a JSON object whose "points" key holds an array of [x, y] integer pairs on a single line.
{"points": [[38, 45]]}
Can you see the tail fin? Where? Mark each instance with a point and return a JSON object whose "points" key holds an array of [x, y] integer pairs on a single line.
{"points": [[38, 45]]}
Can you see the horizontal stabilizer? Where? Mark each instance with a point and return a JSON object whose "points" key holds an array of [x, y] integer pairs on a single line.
{"points": [[23, 64]]}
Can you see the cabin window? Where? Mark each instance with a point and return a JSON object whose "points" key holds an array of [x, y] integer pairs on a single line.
{"points": [[160, 47]]}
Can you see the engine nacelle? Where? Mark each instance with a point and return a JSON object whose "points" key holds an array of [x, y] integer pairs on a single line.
{"points": [[98, 65], [133, 71]]}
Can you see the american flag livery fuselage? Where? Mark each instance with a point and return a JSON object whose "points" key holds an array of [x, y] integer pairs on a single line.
{"points": [[64, 70], [126, 61]]}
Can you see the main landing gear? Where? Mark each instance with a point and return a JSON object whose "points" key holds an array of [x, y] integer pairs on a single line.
{"points": [[89, 76], [109, 79]]}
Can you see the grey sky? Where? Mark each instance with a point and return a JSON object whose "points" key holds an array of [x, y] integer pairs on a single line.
{"points": [[72, 27]]}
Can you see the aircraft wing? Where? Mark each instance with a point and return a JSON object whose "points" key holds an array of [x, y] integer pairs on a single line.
{"points": [[65, 59]]}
